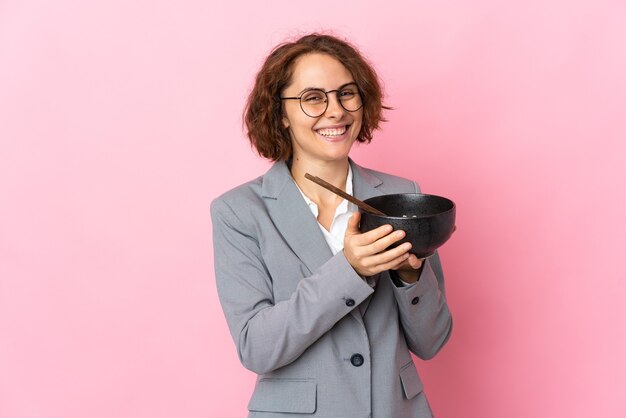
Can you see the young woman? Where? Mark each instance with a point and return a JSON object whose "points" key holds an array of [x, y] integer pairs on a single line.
{"points": [[326, 315]]}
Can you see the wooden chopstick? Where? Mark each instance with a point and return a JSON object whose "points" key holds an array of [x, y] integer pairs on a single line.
{"points": [[343, 194]]}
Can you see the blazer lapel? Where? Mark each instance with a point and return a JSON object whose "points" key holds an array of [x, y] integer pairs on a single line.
{"points": [[293, 218], [365, 183]]}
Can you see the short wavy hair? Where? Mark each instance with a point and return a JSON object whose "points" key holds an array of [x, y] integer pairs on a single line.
{"points": [[263, 113]]}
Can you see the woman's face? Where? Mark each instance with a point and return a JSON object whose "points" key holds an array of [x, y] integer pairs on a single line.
{"points": [[330, 136]]}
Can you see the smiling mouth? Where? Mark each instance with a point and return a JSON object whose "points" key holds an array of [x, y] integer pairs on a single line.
{"points": [[332, 132]]}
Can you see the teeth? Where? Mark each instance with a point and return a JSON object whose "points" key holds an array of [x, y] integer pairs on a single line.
{"points": [[332, 131]]}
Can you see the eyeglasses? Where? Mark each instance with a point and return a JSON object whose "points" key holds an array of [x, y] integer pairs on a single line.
{"points": [[314, 102]]}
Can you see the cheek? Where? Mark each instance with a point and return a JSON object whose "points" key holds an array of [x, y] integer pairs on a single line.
{"points": [[291, 117], [300, 130], [358, 122], [302, 125], [360, 117], [357, 117]]}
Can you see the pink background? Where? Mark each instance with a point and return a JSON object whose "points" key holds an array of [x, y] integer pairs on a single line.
{"points": [[120, 121]]}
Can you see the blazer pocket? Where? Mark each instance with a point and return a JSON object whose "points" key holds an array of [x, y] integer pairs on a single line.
{"points": [[411, 382], [297, 396]]}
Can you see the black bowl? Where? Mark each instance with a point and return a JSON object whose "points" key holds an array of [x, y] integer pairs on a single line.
{"points": [[428, 220]]}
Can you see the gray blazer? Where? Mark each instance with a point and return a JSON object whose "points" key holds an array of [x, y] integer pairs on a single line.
{"points": [[294, 311]]}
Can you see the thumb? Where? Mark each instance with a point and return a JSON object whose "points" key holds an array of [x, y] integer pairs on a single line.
{"points": [[353, 224], [415, 262]]}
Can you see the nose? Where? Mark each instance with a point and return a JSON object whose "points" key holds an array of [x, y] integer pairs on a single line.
{"points": [[334, 109]]}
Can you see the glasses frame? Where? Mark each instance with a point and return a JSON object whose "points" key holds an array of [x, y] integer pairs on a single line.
{"points": [[326, 93]]}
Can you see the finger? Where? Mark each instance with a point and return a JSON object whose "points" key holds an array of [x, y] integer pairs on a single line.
{"points": [[353, 224], [387, 256], [383, 243], [404, 265], [411, 263], [372, 236], [414, 262], [394, 264]]}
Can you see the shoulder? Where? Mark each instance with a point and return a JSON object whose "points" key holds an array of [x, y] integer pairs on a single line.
{"points": [[238, 203], [390, 183], [244, 193], [250, 197]]}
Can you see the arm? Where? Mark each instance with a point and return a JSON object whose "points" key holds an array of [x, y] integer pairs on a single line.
{"points": [[424, 314], [270, 334]]}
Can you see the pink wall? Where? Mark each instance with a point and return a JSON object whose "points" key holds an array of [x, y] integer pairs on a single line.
{"points": [[120, 122]]}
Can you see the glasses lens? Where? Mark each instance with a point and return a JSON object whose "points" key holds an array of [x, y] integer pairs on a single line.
{"points": [[313, 103], [350, 99]]}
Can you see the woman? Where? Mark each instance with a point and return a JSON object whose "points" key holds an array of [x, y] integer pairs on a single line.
{"points": [[326, 315]]}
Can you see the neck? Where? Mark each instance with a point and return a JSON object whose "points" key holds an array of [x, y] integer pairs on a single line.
{"points": [[334, 172]]}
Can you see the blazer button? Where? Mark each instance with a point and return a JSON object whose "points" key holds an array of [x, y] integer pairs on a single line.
{"points": [[415, 300], [356, 360], [350, 302]]}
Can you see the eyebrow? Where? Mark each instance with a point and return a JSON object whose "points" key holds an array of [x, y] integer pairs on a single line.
{"points": [[319, 88]]}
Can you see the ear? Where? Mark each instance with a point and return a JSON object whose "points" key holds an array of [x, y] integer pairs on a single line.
{"points": [[285, 122]]}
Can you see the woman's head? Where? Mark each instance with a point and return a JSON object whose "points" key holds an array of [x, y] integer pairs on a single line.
{"points": [[265, 115]]}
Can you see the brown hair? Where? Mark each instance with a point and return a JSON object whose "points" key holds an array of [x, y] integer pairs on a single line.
{"points": [[263, 112]]}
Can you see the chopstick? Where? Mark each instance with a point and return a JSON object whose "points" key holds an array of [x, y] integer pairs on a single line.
{"points": [[343, 194]]}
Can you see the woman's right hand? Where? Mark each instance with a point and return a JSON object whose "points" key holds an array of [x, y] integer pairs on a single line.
{"points": [[366, 251]]}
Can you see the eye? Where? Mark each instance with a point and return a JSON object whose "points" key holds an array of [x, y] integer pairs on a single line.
{"points": [[347, 94], [313, 97]]}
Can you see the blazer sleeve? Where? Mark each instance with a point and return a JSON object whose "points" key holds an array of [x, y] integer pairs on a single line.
{"points": [[270, 334], [424, 314]]}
